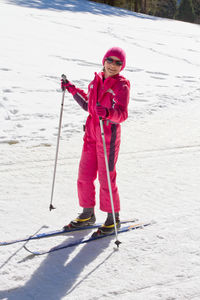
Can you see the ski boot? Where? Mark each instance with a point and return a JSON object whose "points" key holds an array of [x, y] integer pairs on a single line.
{"points": [[86, 218], [108, 227]]}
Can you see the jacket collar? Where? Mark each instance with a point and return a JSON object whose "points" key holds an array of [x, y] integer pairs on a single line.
{"points": [[101, 75], [109, 81]]}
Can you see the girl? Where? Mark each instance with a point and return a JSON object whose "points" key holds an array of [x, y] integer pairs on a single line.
{"points": [[107, 97]]}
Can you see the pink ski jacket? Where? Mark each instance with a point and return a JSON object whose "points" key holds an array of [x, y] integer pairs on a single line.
{"points": [[112, 93]]}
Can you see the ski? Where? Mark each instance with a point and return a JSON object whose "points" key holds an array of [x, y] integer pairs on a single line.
{"points": [[56, 232], [87, 240]]}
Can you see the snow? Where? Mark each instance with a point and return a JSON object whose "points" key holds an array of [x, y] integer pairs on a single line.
{"points": [[158, 167]]}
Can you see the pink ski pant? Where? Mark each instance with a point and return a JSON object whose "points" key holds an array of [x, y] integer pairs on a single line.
{"points": [[93, 162]]}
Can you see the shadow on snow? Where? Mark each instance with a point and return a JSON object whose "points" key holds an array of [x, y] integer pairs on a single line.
{"points": [[59, 274]]}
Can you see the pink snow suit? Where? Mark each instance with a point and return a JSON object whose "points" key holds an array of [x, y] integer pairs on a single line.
{"points": [[112, 93]]}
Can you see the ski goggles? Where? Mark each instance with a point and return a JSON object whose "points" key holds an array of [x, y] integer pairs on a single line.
{"points": [[116, 62]]}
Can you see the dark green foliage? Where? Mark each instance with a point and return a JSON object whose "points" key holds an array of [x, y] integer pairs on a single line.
{"points": [[186, 11], [151, 7], [196, 5], [166, 9]]}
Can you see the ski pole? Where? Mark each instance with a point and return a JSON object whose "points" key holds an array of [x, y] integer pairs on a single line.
{"points": [[117, 242], [57, 147]]}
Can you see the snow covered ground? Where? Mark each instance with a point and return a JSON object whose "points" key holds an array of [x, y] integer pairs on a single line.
{"points": [[158, 168]]}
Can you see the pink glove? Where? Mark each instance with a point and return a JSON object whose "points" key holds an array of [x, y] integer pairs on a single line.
{"points": [[102, 111]]}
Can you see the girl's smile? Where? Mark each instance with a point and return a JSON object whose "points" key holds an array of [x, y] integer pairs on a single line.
{"points": [[111, 68]]}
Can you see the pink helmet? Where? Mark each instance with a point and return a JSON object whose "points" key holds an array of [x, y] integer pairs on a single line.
{"points": [[118, 52]]}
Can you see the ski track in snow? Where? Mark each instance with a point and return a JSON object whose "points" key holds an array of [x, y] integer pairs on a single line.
{"points": [[30, 106], [158, 168]]}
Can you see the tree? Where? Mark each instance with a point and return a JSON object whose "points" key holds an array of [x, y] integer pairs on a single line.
{"points": [[166, 9], [196, 5], [186, 11], [151, 6], [138, 5], [144, 6], [134, 5]]}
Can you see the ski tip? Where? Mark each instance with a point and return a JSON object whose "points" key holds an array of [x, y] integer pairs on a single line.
{"points": [[33, 253]]}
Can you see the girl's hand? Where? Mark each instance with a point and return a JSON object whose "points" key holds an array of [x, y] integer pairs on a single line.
{"points": [[64, 84], [102, 111]]}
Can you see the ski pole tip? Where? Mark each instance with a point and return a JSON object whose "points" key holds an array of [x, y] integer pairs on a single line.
{"points": [[117, 243], [51, 207]]}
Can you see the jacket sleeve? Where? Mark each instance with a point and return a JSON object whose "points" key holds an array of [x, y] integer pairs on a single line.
{"points": [[79, 95], [119, 112]]}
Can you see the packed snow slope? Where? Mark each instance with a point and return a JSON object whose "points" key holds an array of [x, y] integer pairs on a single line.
{"points": [[158, 168], [49, 38]]}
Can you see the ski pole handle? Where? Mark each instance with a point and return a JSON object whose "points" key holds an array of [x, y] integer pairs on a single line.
{"points": [[64, 80], [98, 104]]}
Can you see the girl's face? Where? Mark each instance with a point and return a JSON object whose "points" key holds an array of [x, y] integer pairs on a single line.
{"points": [[112, 66]]}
